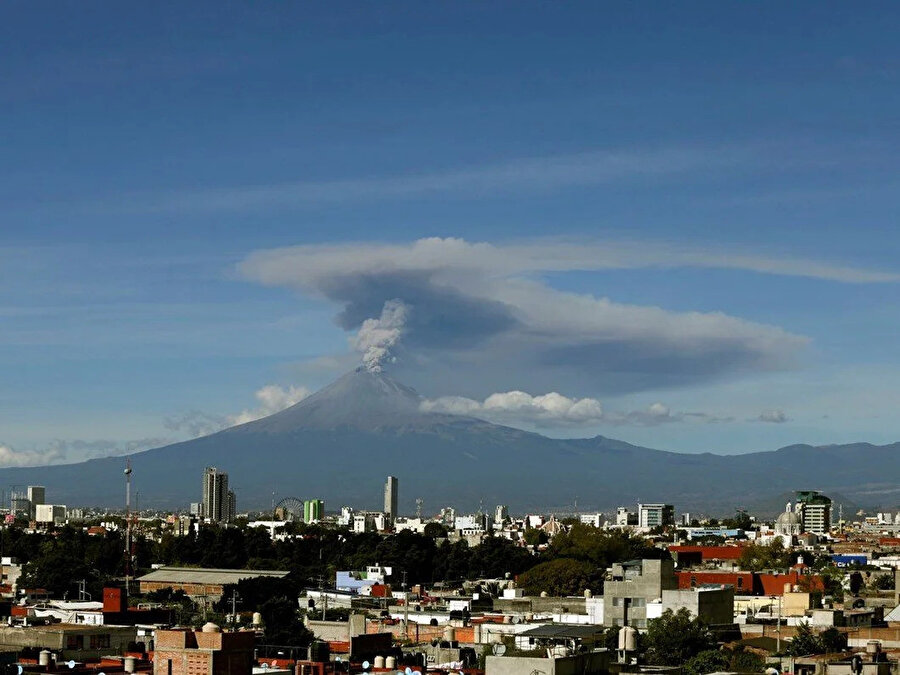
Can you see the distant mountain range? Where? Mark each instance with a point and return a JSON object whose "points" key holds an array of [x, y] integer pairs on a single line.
{"points": [[340, 443]]}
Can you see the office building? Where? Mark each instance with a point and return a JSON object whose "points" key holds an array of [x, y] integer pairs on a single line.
{"points": [[313, 510], [218, 501], [815, 511], [631, 586], [655, 515], [37, 495], [390, 497]]}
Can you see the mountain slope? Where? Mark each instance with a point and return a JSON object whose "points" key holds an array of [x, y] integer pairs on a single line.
{"points": [[340, 443]]}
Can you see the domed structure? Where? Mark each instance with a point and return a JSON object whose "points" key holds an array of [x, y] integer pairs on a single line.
{"points": [[788, 523]]}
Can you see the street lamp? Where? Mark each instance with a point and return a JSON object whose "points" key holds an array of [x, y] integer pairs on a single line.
{"points": [[778, 626]]}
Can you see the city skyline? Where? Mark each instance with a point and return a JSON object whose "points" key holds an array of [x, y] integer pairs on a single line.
{"points": [[671, 227]]}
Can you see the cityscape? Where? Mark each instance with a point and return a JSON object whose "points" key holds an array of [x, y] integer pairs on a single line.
{"points": [[459, 338]]}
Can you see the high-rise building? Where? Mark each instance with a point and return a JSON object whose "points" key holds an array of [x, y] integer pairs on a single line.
{"points": [[313, 510], [37, 495], [815, 511], [390, 497], [655, 515], [501, 514], [218, 501]]}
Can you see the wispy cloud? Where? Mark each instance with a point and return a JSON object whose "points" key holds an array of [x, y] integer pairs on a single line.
{"points": [[531, 174], [772, 417], [63, 451], [271, 399]]}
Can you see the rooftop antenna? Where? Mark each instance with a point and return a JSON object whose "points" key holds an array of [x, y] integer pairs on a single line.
{"points": [[127, 524]]}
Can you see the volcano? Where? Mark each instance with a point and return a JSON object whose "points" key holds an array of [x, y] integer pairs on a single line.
{"points": [[340, 443]]}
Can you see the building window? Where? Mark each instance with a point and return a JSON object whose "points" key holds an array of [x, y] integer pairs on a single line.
{"points": [[74, 641], [693, 581], [100, 641], [740, 582], [639, 623], [638, 602]]}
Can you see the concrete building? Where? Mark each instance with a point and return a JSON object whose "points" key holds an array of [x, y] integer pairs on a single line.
{"points": [[713, 604], [631, 586], [205, 652], [218, 501], [69, 641], [37, 495], [815, 511], [587, 663], [655, 515], [390, 497], [592, 519], [50, 514]]}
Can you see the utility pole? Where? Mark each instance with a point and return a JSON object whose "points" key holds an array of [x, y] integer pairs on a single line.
{"points": [[405, 607], [234, 598]]}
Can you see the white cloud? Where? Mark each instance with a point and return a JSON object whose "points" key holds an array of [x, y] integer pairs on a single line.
{"points": [[62, 451], [11, 457], [554, 410], [551, 409], [280, 266], [272, 399], [773, 416]]}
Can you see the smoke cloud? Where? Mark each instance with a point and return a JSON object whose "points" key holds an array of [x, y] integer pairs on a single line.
{"points": [[376, 337]]}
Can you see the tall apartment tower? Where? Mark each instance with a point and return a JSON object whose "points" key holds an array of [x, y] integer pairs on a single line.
{"points": [[218, 500], [815, 511], [36, 497], [390, 497]]}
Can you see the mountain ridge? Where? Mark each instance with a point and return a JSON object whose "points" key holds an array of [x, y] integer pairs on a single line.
{"points": [[339, 444]]}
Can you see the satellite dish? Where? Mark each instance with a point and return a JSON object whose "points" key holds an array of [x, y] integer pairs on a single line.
{"points": [[408, 670], [19, 670], [499, 649], [365, 665], [265, 665], [71, 664]]}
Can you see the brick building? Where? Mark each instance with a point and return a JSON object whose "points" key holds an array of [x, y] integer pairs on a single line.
{"points": [[197, 582], [205, 652]]}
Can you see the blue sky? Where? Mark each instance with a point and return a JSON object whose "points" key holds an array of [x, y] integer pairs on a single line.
{"points": [[723, 175]]}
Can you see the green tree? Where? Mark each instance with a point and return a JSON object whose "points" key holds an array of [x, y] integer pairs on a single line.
{"points": [[744, 661], [707, 661], [536, 537], [756, 557], [282, 623], [884, 582], [833, 640], [435, 531], [562, 576], [675, 637], [805, 642]]}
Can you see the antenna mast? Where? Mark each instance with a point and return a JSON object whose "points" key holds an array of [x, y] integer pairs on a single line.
{"points": [[127, 525]]}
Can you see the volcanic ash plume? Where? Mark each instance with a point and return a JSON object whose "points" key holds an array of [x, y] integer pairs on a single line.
{"points": [[376, 337]]}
